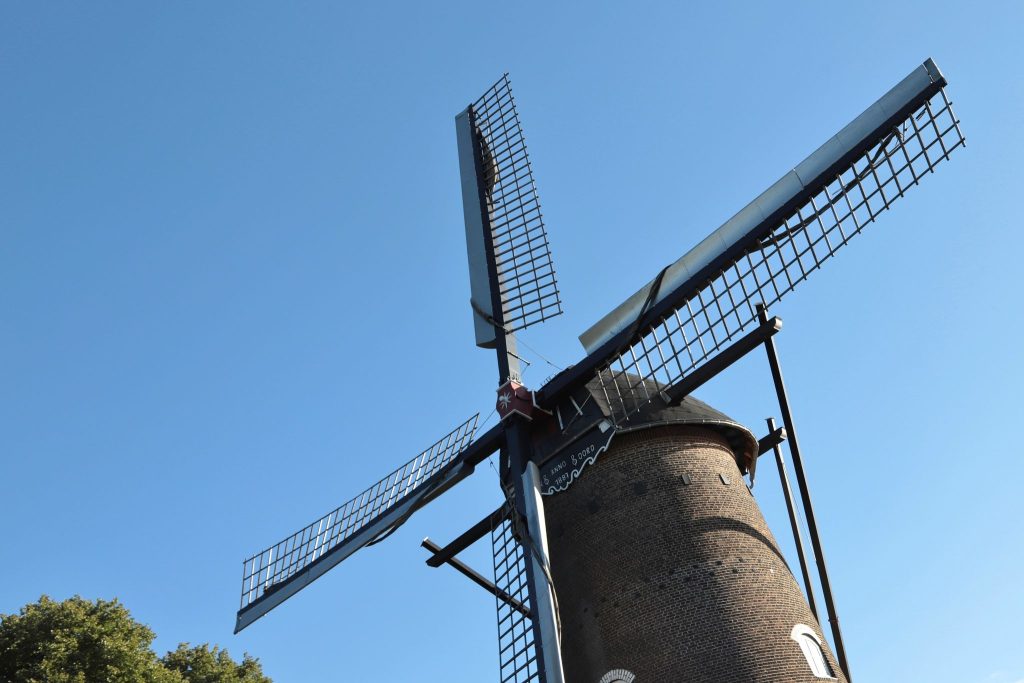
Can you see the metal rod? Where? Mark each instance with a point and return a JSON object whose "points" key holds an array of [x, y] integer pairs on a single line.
{"points": [[476, 578], [793, 522], [801, 480]]}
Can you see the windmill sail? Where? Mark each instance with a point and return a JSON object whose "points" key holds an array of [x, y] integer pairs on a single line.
{"points": [[272, 576], [695, 306], [517, 654], [504, 224]]}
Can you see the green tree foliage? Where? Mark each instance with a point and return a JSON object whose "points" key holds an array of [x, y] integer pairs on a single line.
{"points": [[200, 664], [78, 641]]}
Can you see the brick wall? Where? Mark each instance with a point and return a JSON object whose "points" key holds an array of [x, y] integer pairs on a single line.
{"points": [[670, 580]]}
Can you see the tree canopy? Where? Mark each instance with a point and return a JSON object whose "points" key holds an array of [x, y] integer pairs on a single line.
{"points": [[80, 641], [201, 664]]}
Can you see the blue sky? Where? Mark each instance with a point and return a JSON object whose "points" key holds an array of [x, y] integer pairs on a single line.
{"points": [[233, 293]]}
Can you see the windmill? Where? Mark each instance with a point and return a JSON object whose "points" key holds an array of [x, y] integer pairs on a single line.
{"points": [[626, 545]]}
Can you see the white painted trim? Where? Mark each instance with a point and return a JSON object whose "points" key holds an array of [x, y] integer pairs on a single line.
{"points": [[813, 651]]}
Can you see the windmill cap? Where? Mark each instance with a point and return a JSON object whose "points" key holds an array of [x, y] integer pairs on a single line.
{"points": [[690, 411]]}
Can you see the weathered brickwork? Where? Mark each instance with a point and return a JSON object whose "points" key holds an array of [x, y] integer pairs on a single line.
{"points": [[665, 567]]}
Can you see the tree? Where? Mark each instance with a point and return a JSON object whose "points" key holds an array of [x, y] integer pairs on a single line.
{"points": [[200, 664], [78, 641]]}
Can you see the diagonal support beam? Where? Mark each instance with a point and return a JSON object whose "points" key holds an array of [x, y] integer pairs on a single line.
{"points": [[794, 524], [468, 538], [475, 577], [805, 496]]}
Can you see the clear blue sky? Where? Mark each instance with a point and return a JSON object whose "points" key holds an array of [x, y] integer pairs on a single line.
{"points": [[233, 292]]}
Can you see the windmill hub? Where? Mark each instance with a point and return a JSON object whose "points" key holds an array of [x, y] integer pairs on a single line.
{"points": [[515, 399]]}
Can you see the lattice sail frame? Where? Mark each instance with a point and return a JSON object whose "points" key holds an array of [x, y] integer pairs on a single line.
{"points": [[526, 272], [773, 265], [270, 568], [517, 654]]}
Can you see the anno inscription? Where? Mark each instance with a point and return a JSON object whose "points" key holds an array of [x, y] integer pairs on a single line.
{"points": [[558, 473]]}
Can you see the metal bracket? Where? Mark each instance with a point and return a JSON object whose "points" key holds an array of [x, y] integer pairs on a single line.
{"points": [[771, 440]]}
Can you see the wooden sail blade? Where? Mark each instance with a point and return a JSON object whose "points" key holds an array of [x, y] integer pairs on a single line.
{"points": [[697, 305], [272, 576], [517, 653], [504, 223]]}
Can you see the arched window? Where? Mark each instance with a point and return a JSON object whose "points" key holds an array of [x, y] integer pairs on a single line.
{"points": [[810, 645]]}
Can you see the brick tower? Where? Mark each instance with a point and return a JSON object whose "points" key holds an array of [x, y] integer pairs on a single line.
{"points": [[665, 568]]}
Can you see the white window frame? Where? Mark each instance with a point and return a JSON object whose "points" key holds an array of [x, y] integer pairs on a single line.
{"points": [[814, 653]]}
